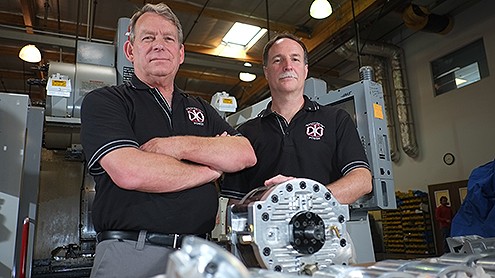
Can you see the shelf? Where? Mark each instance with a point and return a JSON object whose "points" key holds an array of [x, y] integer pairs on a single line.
{"points": [[408, 229]]}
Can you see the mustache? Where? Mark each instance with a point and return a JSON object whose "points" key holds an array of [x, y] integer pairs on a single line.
{"points": [[288, 74]]}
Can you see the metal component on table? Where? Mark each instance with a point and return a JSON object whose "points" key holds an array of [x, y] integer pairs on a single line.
{"points": [[471, 244], [423, 268], [199, 258], [458, 258], [293, 227], [390, 265], [341, 271], [488, 264], [438, 269]]}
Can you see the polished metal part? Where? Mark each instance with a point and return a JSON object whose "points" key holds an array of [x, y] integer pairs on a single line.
{"points": [[199, 258], [295, 227]]}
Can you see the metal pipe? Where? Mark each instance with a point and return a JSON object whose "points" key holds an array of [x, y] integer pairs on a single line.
{"points": [[88, 20]]}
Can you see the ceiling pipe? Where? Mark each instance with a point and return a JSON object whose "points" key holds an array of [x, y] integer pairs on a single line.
{"points": [[88, 20], [419, 18], [401, 90], [93, 20]]}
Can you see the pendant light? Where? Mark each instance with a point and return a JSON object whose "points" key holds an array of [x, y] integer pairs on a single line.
{"points": [[30, 53], [320, 9]]}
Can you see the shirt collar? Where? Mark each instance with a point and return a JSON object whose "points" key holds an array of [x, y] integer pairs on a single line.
{"points": [[309, 106], [136, 83]]}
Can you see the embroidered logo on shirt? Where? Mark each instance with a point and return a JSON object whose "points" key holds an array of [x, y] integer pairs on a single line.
{"points": [[315, 130], [196, 115]]}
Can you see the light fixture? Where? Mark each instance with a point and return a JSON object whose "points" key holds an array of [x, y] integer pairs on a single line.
{"points": [[30, 53], [320, 9], [246, 76]]}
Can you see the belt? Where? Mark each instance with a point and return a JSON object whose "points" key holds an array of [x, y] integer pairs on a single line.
{"points": [[165, 240]]}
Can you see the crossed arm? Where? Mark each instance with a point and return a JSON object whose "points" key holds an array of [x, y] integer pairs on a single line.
{"points": [[176, 163]]}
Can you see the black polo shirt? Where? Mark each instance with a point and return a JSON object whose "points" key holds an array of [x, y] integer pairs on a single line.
{"points": [[320, 143], [129, 115]]}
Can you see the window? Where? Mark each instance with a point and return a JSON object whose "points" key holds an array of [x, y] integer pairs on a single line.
{"points": [[460, 68]]}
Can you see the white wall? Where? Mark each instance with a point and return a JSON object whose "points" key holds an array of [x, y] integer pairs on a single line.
{"points": [[462, 121]]}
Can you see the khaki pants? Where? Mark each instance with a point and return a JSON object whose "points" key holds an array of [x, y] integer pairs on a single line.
{"points": [[127, 258]]}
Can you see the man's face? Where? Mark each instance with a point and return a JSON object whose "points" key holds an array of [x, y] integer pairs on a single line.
{"points": [[285, 70], [156, 51]]}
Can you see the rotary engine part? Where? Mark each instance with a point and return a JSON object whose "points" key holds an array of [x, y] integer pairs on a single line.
{"points": [[293, 227]]}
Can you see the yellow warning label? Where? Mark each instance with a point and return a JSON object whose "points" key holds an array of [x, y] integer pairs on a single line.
{"points": [[227, 100], [59, 83], [378, 110]]}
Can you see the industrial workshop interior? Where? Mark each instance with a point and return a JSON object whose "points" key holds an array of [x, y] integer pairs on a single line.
{"points": [[416, 77]]}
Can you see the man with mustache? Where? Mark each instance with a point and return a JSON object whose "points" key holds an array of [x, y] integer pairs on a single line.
{"points": [[296, 137], [154, 154]]}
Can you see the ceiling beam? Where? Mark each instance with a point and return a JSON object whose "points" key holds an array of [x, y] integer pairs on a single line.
{"points": [[325, 30], [11, 74], [212, 53], [37, 38], [205, 76], [28, 14], [51, 27], [178, 6], [197, 59]]}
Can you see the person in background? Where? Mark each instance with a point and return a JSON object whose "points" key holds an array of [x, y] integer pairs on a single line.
{"points": [[444, 215], [154, 153], [297, 137]]}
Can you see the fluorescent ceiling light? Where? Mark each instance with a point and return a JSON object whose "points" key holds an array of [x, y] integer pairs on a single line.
{"points": [[245, 35], [320, 9]]}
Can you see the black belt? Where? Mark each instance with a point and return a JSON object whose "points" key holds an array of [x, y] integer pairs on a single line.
{"points": [[166, 240]]}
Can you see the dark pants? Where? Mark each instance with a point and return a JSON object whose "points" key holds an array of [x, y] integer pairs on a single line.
{"points": [[127, 258], [445, 234]]}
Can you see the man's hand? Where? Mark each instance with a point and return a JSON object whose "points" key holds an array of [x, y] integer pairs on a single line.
{"points": [[161, 145], [277, 179], [222, 152], [223, 134]]}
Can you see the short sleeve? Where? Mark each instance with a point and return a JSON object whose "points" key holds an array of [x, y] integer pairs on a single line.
{"points": [[105, 126]]}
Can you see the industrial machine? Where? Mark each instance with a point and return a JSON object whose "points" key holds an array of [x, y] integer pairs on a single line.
{"points": [[364, 101], [21, 131]]}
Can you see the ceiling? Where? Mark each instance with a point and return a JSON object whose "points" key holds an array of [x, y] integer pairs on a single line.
{"points": [[50, 24]]}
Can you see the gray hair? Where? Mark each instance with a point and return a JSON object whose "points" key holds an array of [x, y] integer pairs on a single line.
{"points": [[160, 9]]}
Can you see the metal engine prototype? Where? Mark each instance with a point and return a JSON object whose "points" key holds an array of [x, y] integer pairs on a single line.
{"points": [[293, 227]]}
